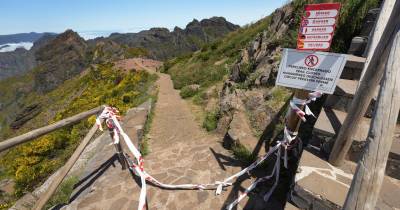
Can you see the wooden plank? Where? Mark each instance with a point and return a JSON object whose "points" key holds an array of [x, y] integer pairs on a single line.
{"points": [[293, 121], [372, 77], [47, 129], [367, 182], [65, 169]]}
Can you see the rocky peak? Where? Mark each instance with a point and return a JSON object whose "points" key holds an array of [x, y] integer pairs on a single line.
{"points": [[194, 22], [67, 41], [177, 29], [60, 59], [163, 44]]}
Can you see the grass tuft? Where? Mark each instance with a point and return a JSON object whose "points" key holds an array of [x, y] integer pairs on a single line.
{"points": [[188, 91], [211, 120], [63, 193], [241, 153]]}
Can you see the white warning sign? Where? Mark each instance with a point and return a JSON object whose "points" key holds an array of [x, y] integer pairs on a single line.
{"points": [[313, 71]]}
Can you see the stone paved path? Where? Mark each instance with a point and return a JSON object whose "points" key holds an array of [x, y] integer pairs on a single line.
{"points": [[181, 152]]}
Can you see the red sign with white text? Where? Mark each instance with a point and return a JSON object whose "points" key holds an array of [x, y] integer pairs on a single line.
{"points": [[317, 26]]}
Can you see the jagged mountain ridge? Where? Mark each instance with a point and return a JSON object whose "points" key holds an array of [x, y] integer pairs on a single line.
{"points": [[164, 44], [158, 43]]}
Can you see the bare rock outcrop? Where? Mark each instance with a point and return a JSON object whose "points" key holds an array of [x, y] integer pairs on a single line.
{"points": [[243, 104]]}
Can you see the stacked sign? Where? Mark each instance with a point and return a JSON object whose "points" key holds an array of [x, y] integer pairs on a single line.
{"points": [[312, 70], [317, 27]]}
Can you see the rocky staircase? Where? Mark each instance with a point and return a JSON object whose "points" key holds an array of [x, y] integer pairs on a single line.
{"points": [[320, 185], [333, 114]]}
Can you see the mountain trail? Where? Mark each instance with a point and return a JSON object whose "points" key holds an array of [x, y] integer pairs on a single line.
{"points": [[181, 152]]}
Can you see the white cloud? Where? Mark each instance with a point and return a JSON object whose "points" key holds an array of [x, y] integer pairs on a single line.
{"points": [[13, 46], [105, 33], [94, 34]]}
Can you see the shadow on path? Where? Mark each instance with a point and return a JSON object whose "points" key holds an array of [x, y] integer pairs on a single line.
{"points": [[93, 176]]}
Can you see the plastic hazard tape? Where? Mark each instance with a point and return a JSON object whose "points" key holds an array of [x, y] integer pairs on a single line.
{"points": [[111, 117], [307, 111]]}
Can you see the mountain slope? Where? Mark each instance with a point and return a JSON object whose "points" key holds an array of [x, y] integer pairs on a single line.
{"points": [[61, 59], [237, 74], [20, 61], [31, 163], [16, 62]]}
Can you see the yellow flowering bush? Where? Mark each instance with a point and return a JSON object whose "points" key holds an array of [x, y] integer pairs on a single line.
{"points": [[31, 163]]}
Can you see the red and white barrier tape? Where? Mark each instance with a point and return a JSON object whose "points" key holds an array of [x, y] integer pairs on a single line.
{"points": [[111, 117], [296, 101]]}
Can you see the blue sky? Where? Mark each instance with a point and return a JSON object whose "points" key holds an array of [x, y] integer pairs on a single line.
{"points": [[103, 16]]}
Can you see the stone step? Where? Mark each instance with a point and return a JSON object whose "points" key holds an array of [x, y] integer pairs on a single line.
{"points": [[343, 96], [353, 68], [355, 62], [330, 121], [327, 127], [346, 87], [319, 185]]}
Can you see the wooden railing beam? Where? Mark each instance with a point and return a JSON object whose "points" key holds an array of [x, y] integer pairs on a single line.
{"points": [[4, 145], [64, 170], [373, 74], [370, 172]]}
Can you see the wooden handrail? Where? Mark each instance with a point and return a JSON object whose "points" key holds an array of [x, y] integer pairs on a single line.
{"points": [[370, 172], [47, 129], [374, 70], [64, 170]]}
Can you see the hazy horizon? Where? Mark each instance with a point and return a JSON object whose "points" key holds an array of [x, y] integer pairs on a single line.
{"points": [[99, 18]]}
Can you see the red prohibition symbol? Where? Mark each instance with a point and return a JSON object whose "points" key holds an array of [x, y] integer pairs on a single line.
{"points": [[311, 60]]}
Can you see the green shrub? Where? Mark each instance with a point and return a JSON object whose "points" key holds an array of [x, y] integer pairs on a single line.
{"points": [[204, 56], [63, 193], [200, 98], [134, 52], [211, 120], [144, 146], [31, 163], [277, 97], [243, 154], [188, 91]]}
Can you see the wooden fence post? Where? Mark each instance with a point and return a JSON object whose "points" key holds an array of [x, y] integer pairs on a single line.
{"points": [[47, 129], [293, 121], [366, 184], [373, 74], [65, 169]]}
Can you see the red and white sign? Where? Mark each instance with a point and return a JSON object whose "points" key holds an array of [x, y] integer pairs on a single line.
{"points": [[314, 45], [317, 30], [316, 38], [318, 22], [321, 13], [317, 26]]}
